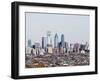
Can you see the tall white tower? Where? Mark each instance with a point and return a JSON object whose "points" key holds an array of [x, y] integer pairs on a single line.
{"points": [[49, 43], [49, 39]]}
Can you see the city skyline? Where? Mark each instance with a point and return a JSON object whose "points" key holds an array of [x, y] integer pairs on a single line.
{"points": [[52, 42], [47, 40], [57, 24], [58, 54]]}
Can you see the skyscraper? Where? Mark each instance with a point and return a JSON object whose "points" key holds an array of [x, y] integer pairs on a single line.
{"points": [[29, 43], [56, 41], [49, 43], [62, 40], [44, 42], [49, 39]]}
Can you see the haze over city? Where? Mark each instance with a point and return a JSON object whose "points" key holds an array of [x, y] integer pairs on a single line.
{"points": [[74, 27]]}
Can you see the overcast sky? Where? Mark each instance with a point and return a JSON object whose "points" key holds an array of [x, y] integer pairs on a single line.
{"points": [[74, 27]]}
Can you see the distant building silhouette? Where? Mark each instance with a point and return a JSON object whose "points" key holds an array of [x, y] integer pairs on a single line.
{"points": [[56, 44], [28, 50], [49, 43], [49, 39], [37, 45], [76, 47], [29, 43], [33, 46], [56, 41], [87, 46], [61, 49], [44, 42], [49, 49], [62, 40], [71, 47], [66, 47]]}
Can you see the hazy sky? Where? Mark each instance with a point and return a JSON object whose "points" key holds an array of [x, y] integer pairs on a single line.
{"points": [[74, 27]]}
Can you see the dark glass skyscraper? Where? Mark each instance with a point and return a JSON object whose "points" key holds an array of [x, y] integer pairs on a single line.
{"points": [[56, 41], [62, 41]]}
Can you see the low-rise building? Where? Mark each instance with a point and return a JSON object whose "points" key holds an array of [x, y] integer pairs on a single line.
{"points": [[28, 50], [49, 49]]}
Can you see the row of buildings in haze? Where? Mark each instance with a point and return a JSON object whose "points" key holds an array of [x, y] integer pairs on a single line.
{"points": [[59, 47]]}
